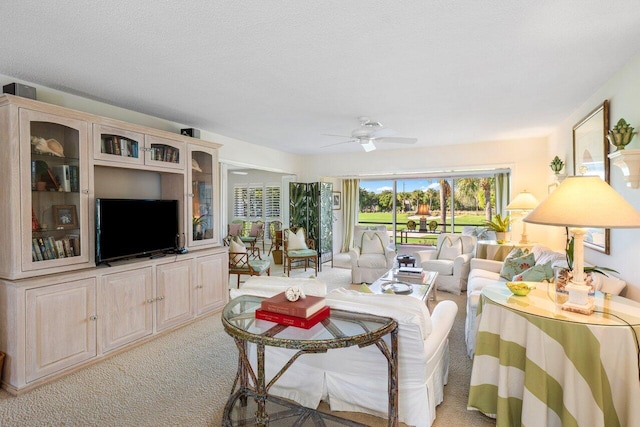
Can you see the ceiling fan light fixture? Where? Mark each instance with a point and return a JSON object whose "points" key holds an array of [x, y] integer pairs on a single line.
{"points": [[367, 145]]}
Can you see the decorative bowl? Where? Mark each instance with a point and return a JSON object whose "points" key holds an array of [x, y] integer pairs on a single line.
{"points": [[519, 288]]}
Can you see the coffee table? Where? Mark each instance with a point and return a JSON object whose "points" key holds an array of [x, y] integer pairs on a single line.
{"points": [[422, 291]]}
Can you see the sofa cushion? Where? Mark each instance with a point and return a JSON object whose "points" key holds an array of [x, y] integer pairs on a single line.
{"points": [[403, 308], [544, 255], [442, 266], [537, 273], [514, 266], [371, 244], [450, 248], [268, 286], [372, 261]]}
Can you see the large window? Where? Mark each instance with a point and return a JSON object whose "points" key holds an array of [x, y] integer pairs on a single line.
{"points": [[415, 211]]}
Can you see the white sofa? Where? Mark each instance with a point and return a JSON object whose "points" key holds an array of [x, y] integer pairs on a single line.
{"points": [[355, 379], [486, 272]]}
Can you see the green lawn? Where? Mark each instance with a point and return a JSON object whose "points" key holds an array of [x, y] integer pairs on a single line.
{"points": [[385, 218]]}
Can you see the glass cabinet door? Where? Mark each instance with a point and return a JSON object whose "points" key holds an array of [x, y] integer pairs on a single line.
{"points": [[164, 152], [54, 176], [117, 145], [202, 172]]}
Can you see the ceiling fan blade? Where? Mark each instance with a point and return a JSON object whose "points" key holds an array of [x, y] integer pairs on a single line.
{"points": [[381, 133], [333, 134], [339, 143], [368, 146], [398, 140]]}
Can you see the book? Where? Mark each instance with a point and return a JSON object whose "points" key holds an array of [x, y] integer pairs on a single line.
{"points": [[37, 250], [63, 176], [298, 322], [301, 308], [416, 271]]}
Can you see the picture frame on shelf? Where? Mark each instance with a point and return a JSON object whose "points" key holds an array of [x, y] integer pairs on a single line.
{"points": [[590, 149], [64, 216], [336, 200]]}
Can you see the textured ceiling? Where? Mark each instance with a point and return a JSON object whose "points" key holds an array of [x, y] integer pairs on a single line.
{"points": [[283, 73]]}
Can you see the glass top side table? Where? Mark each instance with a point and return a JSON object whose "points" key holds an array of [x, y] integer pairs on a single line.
{"points": [[341, 329]]}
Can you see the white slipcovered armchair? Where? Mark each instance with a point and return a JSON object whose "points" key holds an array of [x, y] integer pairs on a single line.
{"points": [[451, 260], [372, 254]]}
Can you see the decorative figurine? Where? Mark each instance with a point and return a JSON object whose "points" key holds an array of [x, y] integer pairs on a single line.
{"points": [[294, 293], [621, 135], [556, 165], [47, 146]]}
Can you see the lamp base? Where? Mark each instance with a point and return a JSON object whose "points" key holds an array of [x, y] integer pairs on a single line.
{"points": [[579, 300], [423, 224]]}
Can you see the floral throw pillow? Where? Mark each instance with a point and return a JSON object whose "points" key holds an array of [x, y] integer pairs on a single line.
{"points": [[514, 266], [537, 273]]}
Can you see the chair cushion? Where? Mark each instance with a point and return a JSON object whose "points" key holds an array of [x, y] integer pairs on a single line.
{"points": [[450, 248], [260, 265], [296, 240], [442, 266], [372, 261], [301, 252], [514, 266], [371, 244]]}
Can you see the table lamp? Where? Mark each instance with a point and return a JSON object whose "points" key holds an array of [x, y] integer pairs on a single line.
{"points": [[581, 202], [524, 203], [423, 210]]}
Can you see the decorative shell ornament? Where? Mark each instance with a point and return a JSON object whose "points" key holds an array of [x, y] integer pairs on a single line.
{"points": [[621, 134], [556, 165], [294, 293], [47, 146], [195, 166]]}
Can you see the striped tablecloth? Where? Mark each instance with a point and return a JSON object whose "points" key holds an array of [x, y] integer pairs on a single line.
{"points": [[538, 365]]}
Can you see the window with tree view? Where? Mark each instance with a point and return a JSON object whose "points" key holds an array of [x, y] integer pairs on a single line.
{"points": [[416, 210]]}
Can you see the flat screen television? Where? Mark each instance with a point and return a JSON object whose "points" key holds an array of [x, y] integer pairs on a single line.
{"points": [[127, 228]]}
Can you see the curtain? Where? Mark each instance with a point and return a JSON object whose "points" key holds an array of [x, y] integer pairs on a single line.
{"points": [[350, 194], [502, 192]]}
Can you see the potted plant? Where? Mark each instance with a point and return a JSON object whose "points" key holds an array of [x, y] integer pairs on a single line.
{"points": [[563, 275], [500, 225]]}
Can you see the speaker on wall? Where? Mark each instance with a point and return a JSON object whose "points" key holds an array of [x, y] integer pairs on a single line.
{"points": [[193, 133]]}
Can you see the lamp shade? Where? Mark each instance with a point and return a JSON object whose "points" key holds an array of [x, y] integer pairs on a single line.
{"points": [[422, 209], [585, 201], [524, 201]]}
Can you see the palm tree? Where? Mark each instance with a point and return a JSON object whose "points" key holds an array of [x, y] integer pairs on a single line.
{"points": [[445, 194], [486, 184], [468, 188]]}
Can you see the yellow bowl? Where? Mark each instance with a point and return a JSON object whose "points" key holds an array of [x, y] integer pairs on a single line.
{"points": [[519, 288]]}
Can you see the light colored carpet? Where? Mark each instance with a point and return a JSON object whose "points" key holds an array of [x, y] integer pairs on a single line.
{"points": [[184, 378]]}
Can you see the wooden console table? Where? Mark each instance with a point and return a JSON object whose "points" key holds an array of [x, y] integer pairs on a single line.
{"points": [[342, 329]]}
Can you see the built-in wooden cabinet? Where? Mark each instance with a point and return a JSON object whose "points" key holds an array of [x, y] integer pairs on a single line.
{"points": [[58, 310], [127, 307], [209, 271], [174, 296], [60, 327]]}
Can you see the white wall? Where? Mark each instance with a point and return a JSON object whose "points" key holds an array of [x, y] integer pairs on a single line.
{"points": [[528, 160], [623, 93]]}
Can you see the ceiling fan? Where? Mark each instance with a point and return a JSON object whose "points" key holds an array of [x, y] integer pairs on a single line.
{"points": [[370, 132]]}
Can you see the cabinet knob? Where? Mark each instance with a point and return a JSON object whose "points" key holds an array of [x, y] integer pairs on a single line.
{"points": [[190, 195], [160, 298], [199, 287], [94, 317], [85, 191], [150, 300]]}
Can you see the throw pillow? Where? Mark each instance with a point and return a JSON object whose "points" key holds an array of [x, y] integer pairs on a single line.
{"points": [[234, 246], [450, 248], [296, 240], [371, 244], [255, 229], [235, 229], [513, 266], [365, 289], [537, 273]]}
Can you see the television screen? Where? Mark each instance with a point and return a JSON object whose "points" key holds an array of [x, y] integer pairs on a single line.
{"points": [[130, 227]]}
